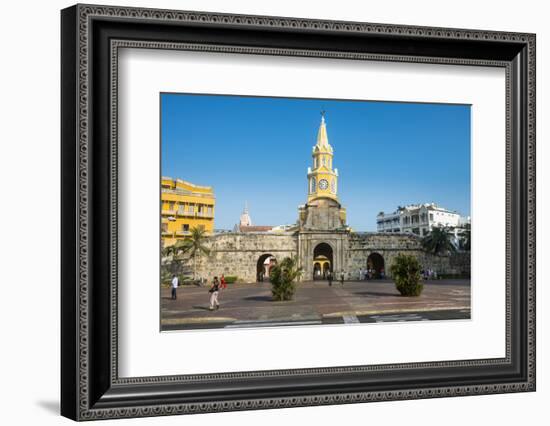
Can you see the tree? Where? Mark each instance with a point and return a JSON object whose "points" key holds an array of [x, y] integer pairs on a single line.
{"points": [[193, 245], [405, 271], [438, 242], [283, 278], [175, 265]]}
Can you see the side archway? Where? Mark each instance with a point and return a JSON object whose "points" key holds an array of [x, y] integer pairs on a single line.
{"points": [[263, 266], [376, 266]]}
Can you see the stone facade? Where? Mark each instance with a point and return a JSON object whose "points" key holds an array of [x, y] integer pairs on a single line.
{"points": [[242, 254], [389, 246]]}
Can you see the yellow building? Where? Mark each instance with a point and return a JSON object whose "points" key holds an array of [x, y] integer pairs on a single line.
{"points": [[184, 206]]}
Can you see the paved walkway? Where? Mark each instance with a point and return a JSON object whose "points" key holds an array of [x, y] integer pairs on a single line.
{"points": [[251, 305]]}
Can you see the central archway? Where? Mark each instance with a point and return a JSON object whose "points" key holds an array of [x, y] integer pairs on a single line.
{"points": [[322, 261], [263, 266]]}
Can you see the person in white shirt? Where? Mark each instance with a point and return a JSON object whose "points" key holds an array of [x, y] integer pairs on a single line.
{"points": [[175, 283]]}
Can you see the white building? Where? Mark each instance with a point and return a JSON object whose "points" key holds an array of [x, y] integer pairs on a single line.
{"points": [[419, 219]]}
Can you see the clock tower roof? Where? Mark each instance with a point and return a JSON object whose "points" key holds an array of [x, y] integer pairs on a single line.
{"points": [[322, 137]]}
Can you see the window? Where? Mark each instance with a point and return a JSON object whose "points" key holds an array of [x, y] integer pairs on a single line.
{"points": [[181, 208], [185, 227], [312, 184], [209, 210], [315, 163], [164, 227], [171, 205]]}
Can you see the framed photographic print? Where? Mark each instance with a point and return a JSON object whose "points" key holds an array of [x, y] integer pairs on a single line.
{"points": [[263, 212]]}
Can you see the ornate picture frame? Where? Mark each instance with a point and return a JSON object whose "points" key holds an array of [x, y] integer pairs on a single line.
{"points": [[90, 38]]}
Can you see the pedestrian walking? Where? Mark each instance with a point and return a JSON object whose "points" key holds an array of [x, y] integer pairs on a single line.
{"points": [[223, 284], [329, 277], [175, 284], [342, 277], [361, 274], [214, 290]]}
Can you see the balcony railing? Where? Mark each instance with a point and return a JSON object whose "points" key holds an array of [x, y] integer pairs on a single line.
{"points": [[186, 192], [204, 214], [187, 213]]}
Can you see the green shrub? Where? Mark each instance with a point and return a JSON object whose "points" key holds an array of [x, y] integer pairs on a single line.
{"points": [[230, 279], [283, 278], [405, 271]]}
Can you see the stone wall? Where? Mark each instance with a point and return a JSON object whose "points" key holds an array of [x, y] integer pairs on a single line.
{"points": [[461, 263], [362, 245], [238, 253]]}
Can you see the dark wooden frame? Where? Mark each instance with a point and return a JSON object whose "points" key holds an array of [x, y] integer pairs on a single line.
{"points": [[90, 386]]}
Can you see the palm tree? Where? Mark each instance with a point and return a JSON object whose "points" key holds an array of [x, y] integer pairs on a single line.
{"points": [[192, 245], [438, 241]]}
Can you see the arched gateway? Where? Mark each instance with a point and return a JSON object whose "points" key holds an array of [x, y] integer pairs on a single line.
{"points": [[263, 266], [322, 261], [375, 263]]}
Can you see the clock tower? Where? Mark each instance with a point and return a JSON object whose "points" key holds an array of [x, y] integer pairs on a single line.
{"points": [[323, 236], [323, 211], [322, 178]]}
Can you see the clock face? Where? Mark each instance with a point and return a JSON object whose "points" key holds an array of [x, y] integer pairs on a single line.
{"points": [[323, 184]]}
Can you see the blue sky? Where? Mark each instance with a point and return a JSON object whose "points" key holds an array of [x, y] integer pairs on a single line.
{"points": [[258, 149]]}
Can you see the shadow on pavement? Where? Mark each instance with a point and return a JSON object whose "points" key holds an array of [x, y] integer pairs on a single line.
{"points": [[204, 308], [377, 293], [259, 298]]}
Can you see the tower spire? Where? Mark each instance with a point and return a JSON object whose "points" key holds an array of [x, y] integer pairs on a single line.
{"points": [[245, 216], [322, 136]]}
